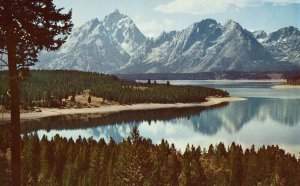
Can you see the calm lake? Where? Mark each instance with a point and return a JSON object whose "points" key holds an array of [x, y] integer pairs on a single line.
{"points": [[268, 116]]}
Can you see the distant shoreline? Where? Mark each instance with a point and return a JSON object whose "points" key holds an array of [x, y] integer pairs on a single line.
{"points": [[49, 112], [286, 86]]}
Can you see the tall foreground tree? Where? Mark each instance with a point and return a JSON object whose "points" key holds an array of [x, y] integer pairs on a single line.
{"points": [[26, 27]]}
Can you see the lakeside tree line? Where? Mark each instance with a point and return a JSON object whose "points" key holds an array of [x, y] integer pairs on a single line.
{"points": [[295, 80], [40, 86], [137, 161]]}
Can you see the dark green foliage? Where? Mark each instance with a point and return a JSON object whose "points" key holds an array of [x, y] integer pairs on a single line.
{"points": [[43, 86], [27, 27], [5, 140], [137, 161], [30, 166], [5, 170], [134, 161], [3, 89]]}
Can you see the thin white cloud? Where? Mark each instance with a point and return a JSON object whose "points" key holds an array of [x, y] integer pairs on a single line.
{"points": [[154, 27], [213, 6]]}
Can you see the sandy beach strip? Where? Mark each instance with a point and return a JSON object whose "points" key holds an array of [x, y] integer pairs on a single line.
{"points": [[286, 86], [48, 112]]}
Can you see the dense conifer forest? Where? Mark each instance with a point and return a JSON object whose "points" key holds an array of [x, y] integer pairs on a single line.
{"points": [[48, 88], [137, 161]]}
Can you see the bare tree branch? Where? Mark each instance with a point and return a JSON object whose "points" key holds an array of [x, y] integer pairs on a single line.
{"points": [[5, 63], [2, 60]]}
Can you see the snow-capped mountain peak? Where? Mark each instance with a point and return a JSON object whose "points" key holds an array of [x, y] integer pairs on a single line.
{"points": [[203, 46], [113, 18], [232, 25], [124, 31], [115, 44], [283, 33], [284, 44], [78, 35]]}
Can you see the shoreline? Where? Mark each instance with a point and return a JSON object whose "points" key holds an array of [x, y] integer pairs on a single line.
{"points": [[49, 112], [286, 86]]}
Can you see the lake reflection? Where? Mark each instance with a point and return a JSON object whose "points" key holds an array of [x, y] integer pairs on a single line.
{"points": [[259, 120]]}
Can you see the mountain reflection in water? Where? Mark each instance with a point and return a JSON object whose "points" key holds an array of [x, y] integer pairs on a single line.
{"points": [[206, 121], [260, 120]]}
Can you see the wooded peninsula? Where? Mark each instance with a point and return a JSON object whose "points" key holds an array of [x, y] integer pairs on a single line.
{"points": [[49, 88]]}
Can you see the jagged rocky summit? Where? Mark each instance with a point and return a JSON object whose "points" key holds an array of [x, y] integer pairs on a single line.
{"points": [[116, 45]]}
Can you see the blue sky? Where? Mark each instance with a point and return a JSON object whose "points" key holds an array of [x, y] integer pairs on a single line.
{"points": [[155, 16]]}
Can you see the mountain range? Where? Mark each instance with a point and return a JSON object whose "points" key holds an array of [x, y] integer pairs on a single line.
{"points": [[116, 45]]}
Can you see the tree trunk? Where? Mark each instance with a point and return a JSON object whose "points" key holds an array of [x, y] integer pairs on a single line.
{"points": [[15, 115]]}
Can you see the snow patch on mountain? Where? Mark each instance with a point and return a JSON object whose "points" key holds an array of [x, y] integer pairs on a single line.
{"points": [[203, 46], [115, 45], [283, 44], [99, 46]]}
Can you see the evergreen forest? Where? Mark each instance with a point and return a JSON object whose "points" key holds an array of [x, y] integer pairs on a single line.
{"points": [[137, 161], [48, 88]]}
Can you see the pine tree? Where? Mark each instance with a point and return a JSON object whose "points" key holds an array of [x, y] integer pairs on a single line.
{"points": [[4, 173], [46, 161], [26, 27], [31, 161], [111, 172], [134, 160], [172, 169], [236, 169]]}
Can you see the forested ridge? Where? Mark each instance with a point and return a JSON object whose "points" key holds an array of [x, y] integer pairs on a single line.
{"points": [[137, 161], [40, 86]]}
